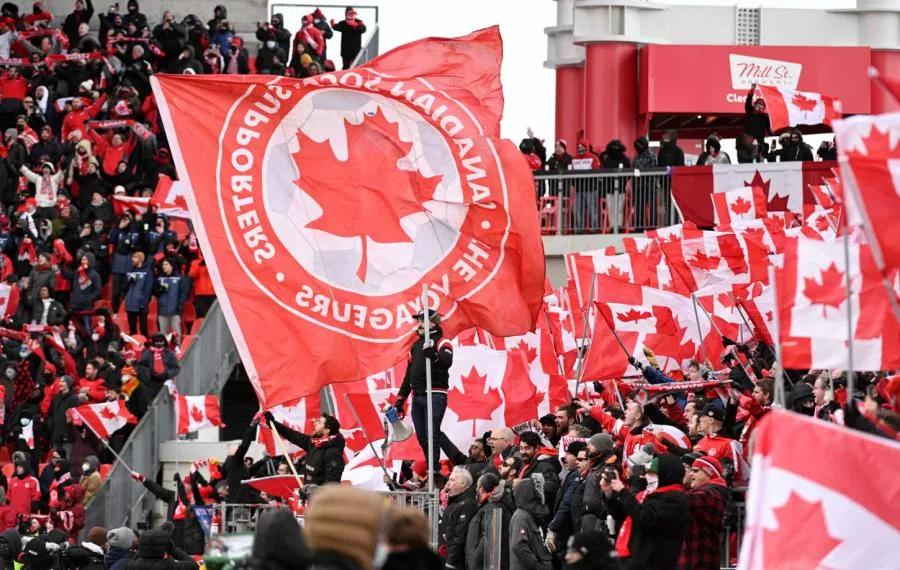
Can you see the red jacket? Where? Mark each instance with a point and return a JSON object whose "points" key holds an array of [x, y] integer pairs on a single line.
{"points": [[720, 446], [111, 155], [199, 275], [96, 388], [21, 492], [76, 119], [312, 39], [13, 88], [631, 439], [755, 413]]}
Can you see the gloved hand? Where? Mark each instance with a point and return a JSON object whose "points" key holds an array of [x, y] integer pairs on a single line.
{"points": [[137, 477], [269, 418], [431, 353], [400, 404], [726, 342], [598, 387], [550, 541], [634, 362]]}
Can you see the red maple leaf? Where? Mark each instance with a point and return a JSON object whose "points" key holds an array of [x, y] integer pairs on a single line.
{"points": [[799, 522], [618, 274], [633, 315], [822, 223], [778, 203], [385, 193], [725, 300], [196, 414], [475, 401], [758, 182], [708, 262], [803, 103], [357, 442], [530, 353], [2, 301], [830, 292], [877, 144], [769, 316], [108, 413], [740, 206]]}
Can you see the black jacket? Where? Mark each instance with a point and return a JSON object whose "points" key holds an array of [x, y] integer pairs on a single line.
{"points": [[548, 466], [659, 524], [278, 542], [755, 124], [154, 546], [414, 380], [351, 37], [415, 559], [455, 525], [323, 462], [476, 538], [670, 154], [235, 472]]}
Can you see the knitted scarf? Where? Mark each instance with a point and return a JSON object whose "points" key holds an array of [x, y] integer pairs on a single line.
{"points": [[159, 367]]}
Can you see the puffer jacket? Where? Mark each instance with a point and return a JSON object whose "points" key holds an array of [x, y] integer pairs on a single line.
{"points": [[454, 526], [138, 288], [172, 291], [86, 288]]}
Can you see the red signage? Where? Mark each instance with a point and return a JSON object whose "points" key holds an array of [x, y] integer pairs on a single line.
{"points": [[715, 79]]}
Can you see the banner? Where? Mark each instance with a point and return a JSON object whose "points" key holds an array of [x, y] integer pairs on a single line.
{"points": [[324, 205]]}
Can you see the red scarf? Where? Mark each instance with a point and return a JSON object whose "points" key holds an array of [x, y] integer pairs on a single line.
{"points": [[159, 367], [320, 441], [625, 532], [83, 280]]}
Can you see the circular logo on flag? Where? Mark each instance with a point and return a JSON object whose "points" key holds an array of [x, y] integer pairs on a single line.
{"points": [[343, 195]]}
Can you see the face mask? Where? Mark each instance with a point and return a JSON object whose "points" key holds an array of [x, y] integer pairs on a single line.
{"points": [[10, 373], [86, 467], [652, 481], [95, 337], [270, 45], [25, 421]]}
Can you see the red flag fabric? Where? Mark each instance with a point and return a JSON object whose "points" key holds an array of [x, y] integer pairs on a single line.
{"points": [[741, 205], [789, 108], [283, 486], [870, 173], [808, 488], [105, 418], [194, 413], [328, 202], [169, 198], [297, 415], [122, 203]]}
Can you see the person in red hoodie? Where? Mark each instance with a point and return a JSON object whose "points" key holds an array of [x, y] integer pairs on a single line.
{"points": [[91, 388], [204, 294], [23, 488], [79, 116], [629, 431], [70, 517], [38, 14], [311, 37], [13, 89], [114, 152]]}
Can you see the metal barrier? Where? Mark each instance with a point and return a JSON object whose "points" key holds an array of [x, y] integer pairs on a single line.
{"points": [[205, 368], [369, 50], [733, 535], [605, 201]]}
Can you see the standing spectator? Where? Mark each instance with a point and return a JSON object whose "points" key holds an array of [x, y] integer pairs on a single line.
{"points": [[237, 58], [46, 187], [58, 420], [82, 14], [8, 37], [343, 526], [157, 364], [120, 543], [220, 13], [321, 23], [269, 55], [90, 477], [718, 441], [407, 542], [13, 89], [134, 16], [708, 500], [560, 161], [172, 290], [47, 311], [644, 157], [76, 119], [796, 150], [282, 36], [38, 14], [351, 30], [670, 154], [112, 153], [70, 517], [614, 155], [324, 459], [827, 150], [538, 459], [42, 276], [204, 294], [157, 551], [126, 239], [491, 494], [756, 118], [47, 149], [747, 149], [312, 39], [502, 444], [588, 506], [652, 524], [89, 554], [561, 526], [86, 288], [138, 291], [222, 35], [23, 488], [171, 37], [271, 550], [714, 153], [527, 550], [591, 550], [584, 152], [549, 429], [454, 526]]}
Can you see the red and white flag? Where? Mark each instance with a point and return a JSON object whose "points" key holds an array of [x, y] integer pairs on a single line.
{"points": [[169, 197], [297, 415], [806, 506], [137, 204], [741, 205], [9, 299], [323, 205], [709, 264], [789, 108], [105, 418], [194, 413], [813, 308], [870, 176]]}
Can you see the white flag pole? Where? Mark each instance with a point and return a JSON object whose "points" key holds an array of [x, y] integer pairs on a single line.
{"points": [[428, 390], [776, 324], [851, 376]]}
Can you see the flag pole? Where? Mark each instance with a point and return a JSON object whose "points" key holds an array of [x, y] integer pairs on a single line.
{"points": [[779, 395], [851, 376], [585, 311], [116, 455], [287, 458], [708, 316], [700, 331], [428, 389], [740, 311], [559, 365], [366, 435]]}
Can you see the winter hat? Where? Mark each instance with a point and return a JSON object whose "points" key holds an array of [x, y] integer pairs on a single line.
{"points": [[575, 447], [57, 536], [122, 537], [602, 442], [690, 457], [641, 457], [591, 544], [119, 190], [714, 412], [305, 59], [346, 521], [97, 535], [420, 467], [70, 381], [709, 465], [563, 142], [36, 555]]}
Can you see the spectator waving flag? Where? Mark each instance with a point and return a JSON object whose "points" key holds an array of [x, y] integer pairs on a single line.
{"points": [[807, 508], [105, 418], [194, 413], [323, 205], [789, 108]]}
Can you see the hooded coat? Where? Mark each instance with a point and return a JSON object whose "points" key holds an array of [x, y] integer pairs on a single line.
{"points": [[670, 154], [454, 526], [71, 517], [660, 524], [155, 545], [526, 543], [324, 460], [479, 528], [138, 288], [278, 544], [86, 285]]}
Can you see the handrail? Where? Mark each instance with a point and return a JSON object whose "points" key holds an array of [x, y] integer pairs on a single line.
{"points": [[370, 50], [205, 367]]}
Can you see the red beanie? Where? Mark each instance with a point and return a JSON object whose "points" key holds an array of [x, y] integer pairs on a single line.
{"points": [[709, 465], [420, 468]]}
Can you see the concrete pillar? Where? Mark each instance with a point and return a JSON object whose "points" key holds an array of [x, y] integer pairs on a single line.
{"points": [[611, 93], [569, 103]]}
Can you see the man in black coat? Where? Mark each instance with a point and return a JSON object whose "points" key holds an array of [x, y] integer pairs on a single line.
{"points": [[659, 523], [670, 154], [756, 119], [324, 459], [536, 458], [352, 30], [454, 525]]}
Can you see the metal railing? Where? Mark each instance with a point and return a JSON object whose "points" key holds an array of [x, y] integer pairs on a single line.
{"points": [[608, 202], [205, 368], [369, 50], [293, 12]]}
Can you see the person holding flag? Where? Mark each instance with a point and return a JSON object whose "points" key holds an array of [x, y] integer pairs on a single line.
{"points": [[437, 353]]}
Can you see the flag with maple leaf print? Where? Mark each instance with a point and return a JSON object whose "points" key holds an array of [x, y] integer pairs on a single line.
{"points": [[813, 301], [9, 299], [870, 174], [741, 205], [297, 415], [785, 185], [169, 198], [821, 225], [105, 418], [789, 108], [324, 204], [193, 413], [808, 505], [712, 263]]}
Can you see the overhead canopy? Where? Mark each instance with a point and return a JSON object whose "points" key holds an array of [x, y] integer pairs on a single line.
{"points": [[703, 88]]}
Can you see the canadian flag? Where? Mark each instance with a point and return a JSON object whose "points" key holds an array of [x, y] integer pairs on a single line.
{"points": [[806, 506], [789, 108], [297, 415], [870, 173], [741, 205], [9, 299], [170, 197], [105, 418], [122, 203], [813, 308], [708, 264], [785, 185], [194, 413]]}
